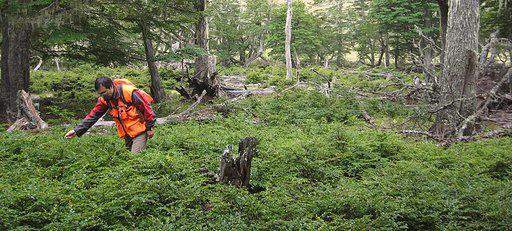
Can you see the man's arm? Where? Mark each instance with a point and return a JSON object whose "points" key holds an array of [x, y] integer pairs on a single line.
{"points": [[144, 107], [96, 113]]}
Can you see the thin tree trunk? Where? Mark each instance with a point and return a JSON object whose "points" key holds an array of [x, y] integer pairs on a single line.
{"points": [[443, 12], [460, 67], [157, 91], [288, 40], [396, 54], [381, 55], [15, 67], [57, 64], [326, 62], [427, 49], [257, 54], [427, 63], [242, 57], [372, 52], [387, 51]]}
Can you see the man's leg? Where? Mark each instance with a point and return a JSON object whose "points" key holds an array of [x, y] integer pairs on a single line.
{"points": [[139, 143], [128, 142]]}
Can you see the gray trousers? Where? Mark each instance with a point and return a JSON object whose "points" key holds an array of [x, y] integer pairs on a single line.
{"points": [[136, 144]]}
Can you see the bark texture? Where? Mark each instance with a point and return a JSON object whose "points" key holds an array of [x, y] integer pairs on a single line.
{"points": [[460, 66], [157, 91], [427, 50], [15, 65], [443, 12], [28, 117], [288, 39], [238, 171], [205, 77]]}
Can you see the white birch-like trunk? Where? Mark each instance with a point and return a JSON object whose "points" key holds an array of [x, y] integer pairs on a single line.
{"points": [[288, 40]]}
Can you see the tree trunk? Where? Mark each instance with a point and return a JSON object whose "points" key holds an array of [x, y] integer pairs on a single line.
{"points": [[372, 52], [57, 63], [382, 50], [443, 12], [237, 171], [460, 67], [288, 40], [427, 63], [242, 57], [396, 54], [427, 49], [205, 77], [15, 67], [387, 61], [157, 91]]}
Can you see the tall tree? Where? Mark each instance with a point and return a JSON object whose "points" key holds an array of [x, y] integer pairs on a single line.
{"points": [[288, 39], [443, 23], [157, 91], [15, 68], [205, 77], [460, 67]]}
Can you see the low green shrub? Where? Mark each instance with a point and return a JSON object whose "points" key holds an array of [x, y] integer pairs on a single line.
{"points": [[319, 166]]}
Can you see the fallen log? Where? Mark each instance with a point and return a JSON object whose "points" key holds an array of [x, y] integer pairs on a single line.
{"points": [[28, 118], [163, 120], [237, 92]]}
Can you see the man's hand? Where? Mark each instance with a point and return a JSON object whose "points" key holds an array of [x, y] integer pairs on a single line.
{"points": [[151, 133], [70, 134]]}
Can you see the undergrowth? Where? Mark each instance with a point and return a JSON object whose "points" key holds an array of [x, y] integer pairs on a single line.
{"points": [[320, 165]]}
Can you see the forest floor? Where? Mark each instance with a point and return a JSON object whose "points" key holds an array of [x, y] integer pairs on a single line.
{"points": [[330, 156]]}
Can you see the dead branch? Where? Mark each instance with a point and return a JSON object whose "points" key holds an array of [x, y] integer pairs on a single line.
{"points": [[426, 38], [369, 119], [488, 135], [483, 107], [237, 92]]}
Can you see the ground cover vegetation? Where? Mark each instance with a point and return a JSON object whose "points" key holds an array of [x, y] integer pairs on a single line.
{"points": [[368, 114], [320, 164]]}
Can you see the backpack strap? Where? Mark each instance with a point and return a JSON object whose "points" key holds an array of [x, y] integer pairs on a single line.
{"points": [[125, 92]]}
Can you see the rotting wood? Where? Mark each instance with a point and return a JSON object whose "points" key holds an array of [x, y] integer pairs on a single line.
{"points": [[28, 118], [237, 171]]}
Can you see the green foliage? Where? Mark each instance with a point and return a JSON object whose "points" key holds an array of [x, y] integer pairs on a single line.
{"points": [[320, 169], [306, 36], [496, 15], [237, 29], [70, 94]]}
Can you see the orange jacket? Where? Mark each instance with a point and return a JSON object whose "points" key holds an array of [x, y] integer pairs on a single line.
{"points": [[129, 108], [128, 119]]}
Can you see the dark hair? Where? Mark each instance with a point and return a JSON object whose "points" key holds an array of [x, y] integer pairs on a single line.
{"points": [[103, 81]]}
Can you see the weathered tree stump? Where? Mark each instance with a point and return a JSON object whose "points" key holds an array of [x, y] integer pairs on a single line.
{"points": [[28, 118], [237, 171]]}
